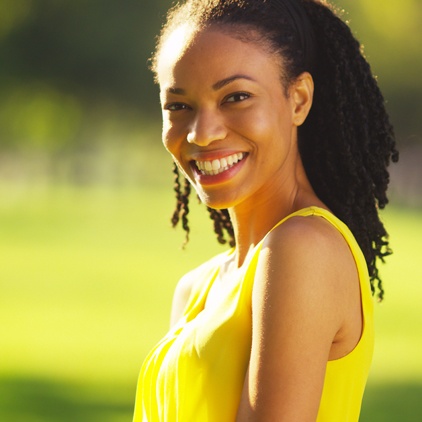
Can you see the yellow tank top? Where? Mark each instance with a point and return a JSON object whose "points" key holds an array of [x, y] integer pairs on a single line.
{"points": [[196, 372]]}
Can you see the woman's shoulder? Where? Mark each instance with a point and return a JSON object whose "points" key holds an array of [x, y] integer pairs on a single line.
{"points": [[314, 229], [309, 253]]}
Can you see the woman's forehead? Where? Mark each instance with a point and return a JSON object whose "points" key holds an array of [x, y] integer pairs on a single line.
{"points": [[214, 47], [175, 44]]}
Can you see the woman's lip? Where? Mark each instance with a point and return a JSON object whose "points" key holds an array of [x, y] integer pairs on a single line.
{"points": [[224, 176]]}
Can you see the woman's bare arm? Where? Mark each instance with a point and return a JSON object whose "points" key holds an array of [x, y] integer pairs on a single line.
{"points": [[304, 297]]}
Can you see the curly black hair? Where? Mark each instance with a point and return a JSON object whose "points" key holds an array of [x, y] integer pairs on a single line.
{"points": [[347, 141]]}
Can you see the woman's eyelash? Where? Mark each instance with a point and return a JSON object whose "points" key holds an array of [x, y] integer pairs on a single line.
{"points": [[236, 97], [175, 106], [232, 98]]}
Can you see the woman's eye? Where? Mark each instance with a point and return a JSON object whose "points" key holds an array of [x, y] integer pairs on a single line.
{"points": [[175, 106], [239, 96]]}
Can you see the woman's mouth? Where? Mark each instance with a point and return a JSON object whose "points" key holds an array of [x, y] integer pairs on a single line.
{"points": [[217, 166]]}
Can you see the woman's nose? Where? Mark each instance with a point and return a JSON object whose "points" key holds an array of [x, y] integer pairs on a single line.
{"points": [[207, 127]]}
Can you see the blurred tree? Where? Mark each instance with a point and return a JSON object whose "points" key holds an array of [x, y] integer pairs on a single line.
{"points": [[63, 62], [94, 49], [12, 13], [392, 36]]}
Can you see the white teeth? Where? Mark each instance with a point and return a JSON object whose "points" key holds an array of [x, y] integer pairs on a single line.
{"points": [[216, 165], [211, 168]]}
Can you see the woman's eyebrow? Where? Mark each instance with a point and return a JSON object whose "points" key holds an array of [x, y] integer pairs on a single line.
{"points": [[220, 84], [176, 91]]}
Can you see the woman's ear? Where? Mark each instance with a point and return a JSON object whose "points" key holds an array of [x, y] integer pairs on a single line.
{"points": [[301, 93]]}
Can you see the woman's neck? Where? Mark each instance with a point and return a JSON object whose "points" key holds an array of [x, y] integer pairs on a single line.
{"points": [[252, 221]]}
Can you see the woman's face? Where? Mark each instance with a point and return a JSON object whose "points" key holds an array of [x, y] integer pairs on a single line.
{"points": [[226, 119]]}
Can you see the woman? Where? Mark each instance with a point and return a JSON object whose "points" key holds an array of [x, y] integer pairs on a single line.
{"points": [[271, 113]]}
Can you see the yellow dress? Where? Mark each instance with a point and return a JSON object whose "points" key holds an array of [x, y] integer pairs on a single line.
{"points": [[196, 372]]}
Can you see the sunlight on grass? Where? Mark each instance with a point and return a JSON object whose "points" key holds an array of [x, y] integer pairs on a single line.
{"points": [[86, 280], [86, 290], [398, 318]]}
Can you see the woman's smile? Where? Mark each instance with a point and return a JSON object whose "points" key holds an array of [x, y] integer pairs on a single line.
{"points": [[218, 170], [217, 166]]}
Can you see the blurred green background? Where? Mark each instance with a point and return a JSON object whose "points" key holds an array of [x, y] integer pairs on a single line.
{"points": [[88, 260]]}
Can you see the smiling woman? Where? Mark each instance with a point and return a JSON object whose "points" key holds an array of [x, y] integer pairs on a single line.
{"points": [[271, 113]]}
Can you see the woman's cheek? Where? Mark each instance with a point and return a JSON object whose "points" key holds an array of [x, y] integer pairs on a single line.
{"points": [[171, 137], [251, 123]]}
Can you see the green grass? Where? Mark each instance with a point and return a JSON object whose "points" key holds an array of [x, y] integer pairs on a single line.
{"points": [[86, 279]]}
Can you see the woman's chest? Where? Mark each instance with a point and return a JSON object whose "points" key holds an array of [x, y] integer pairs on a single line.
{"points": [[223, 322]]}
